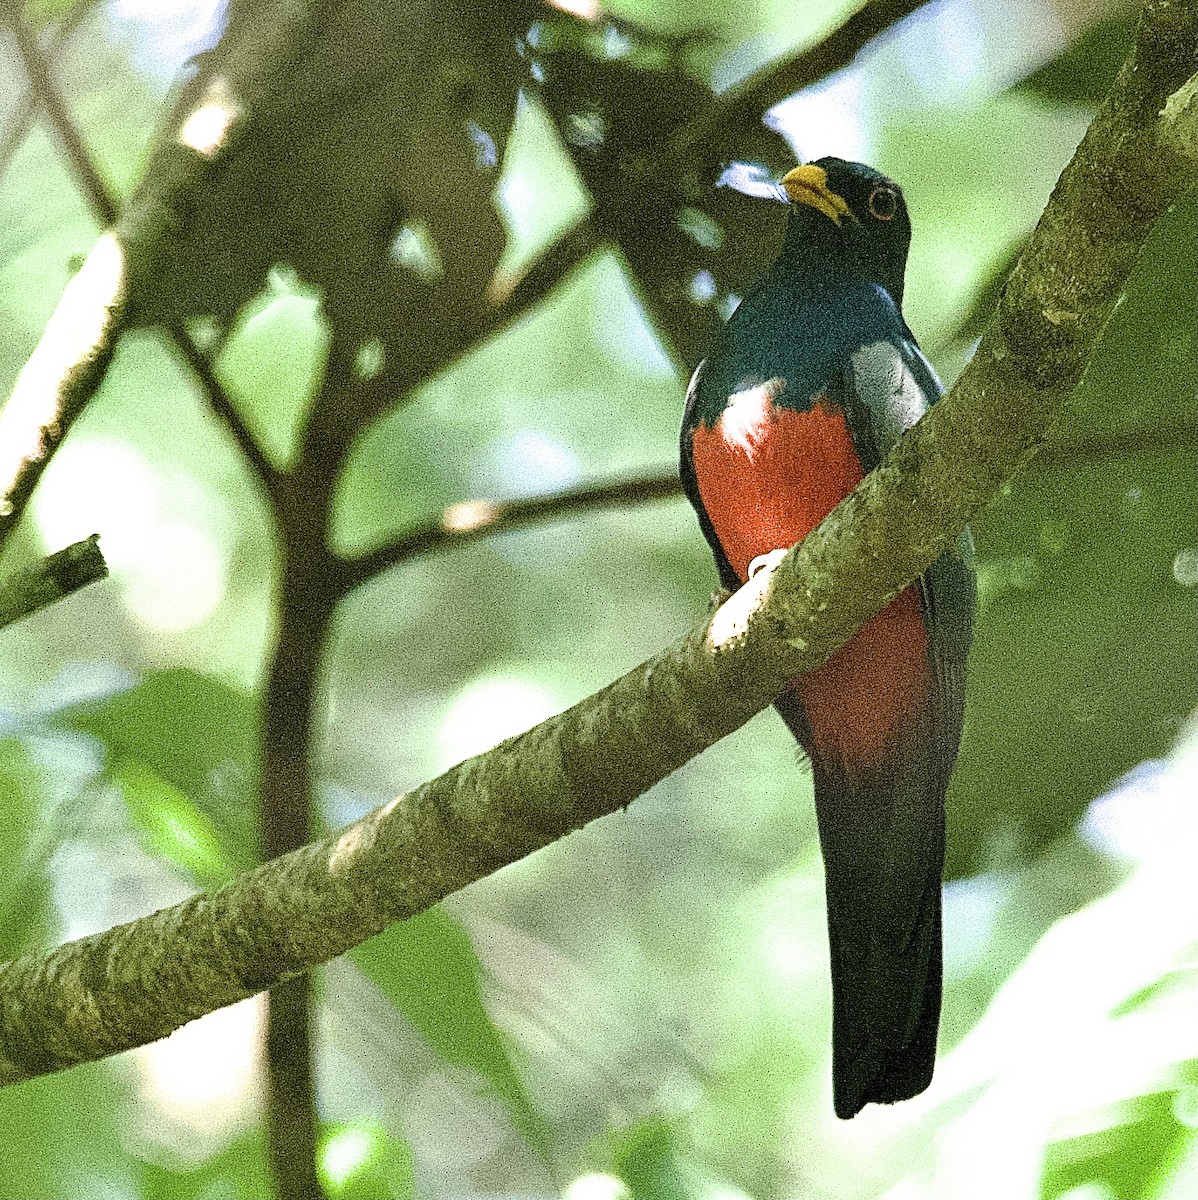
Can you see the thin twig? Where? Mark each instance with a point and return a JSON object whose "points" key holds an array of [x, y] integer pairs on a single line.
{"points": [[87, 175], [512, 295], [25, 110], [470, 520], [49, 580], [224, 409]]}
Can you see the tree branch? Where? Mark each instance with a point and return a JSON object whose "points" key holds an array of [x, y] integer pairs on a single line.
{"points": [[51, 579], [512, 295], [472, 519], [105, 209], [25, 110], [64, 371], [139, 981], [87, 176], [309, 591], [775, 82], [224, 409]]}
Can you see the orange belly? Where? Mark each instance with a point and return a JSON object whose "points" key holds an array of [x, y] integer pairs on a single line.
{"points": [[767, 476]]}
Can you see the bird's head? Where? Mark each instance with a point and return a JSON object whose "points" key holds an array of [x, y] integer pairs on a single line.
{"points": [[855, 208]]}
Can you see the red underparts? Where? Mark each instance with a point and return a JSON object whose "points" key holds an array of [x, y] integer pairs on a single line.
{"points": [[767, 476]]}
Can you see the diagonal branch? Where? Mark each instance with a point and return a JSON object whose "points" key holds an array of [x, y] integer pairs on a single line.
{"points": [[23, 113], [223, 408], [64, 371], [744, 105], [87, 175], [470, 520], [513, 294], [105, 209], [139, 981]]}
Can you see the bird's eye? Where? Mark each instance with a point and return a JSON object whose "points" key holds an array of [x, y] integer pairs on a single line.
{"points": [[883, 203]]}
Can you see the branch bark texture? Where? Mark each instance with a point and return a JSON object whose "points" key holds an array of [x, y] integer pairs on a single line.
{"points": [[139, 981]]}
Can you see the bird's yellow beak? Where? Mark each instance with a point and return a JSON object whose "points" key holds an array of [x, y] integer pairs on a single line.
{"points": [[808, 184]]}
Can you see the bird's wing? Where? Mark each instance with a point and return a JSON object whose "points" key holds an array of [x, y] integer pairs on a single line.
{"points": [[889, 385]]}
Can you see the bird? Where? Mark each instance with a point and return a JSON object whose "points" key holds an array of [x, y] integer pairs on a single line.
{"points": [[815, 377]]}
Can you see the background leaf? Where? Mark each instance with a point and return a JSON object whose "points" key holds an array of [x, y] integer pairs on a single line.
{"points": [[427, 967]]}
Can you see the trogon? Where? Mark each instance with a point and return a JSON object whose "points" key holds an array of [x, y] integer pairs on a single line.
{"points": [[815, 378]]}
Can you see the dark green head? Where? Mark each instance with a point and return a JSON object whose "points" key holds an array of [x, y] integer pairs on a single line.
{"points": [[851, 210]]}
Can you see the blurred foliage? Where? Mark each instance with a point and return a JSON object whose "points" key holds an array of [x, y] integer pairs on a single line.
{"points": [[1088, 642], [643, 1157], [238, 1172], [1128, 1160], [427, 968], [189, 729], [23, 891], [648, 997], [45, 11], [618, 116], [363, 1162], [62, 1134], [1084, 73], [180, 749]]}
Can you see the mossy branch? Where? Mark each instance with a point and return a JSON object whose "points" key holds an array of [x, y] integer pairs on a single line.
{"points": [[139, 981]]}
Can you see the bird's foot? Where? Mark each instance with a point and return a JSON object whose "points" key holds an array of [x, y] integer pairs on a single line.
{"points": [[771, 560]]}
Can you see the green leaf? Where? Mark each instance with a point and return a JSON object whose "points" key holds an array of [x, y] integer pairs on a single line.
{"points": [[1081, 666], [361, 1161], [59, 1135], [51, 12], [1130, 1160], [644, 1157], [239, 1172], [427, 968], [188, 743], [175, 828]]}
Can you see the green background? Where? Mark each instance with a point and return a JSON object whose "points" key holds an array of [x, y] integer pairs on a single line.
{"points": [[644, 1004]]}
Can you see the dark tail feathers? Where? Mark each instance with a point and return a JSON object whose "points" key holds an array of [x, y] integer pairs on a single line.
{"points": [[882, 837]]}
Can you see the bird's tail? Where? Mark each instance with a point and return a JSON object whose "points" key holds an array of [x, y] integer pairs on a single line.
{"points": [[882, 836]]}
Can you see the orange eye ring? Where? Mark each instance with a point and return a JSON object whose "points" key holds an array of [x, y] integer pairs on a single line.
{"points": [[883, 203]]}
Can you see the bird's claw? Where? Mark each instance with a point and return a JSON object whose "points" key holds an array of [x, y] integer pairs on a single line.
{"points": [[771, 560]]}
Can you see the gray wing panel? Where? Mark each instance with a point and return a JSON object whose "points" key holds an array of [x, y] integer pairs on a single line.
{"points": [[894, 385]]}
